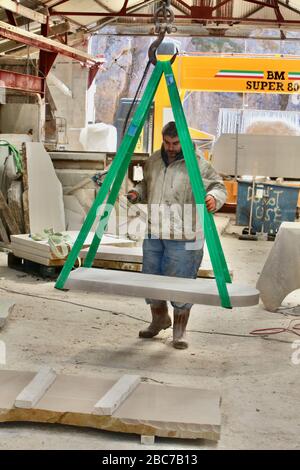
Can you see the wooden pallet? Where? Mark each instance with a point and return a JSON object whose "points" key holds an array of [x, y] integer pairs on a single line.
{"points": [[131, 259], [29, 266], [204, 271]]}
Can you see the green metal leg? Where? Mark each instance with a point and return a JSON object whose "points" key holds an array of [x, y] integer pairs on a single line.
{"points": [[138, 121], [114, 177], [116, 174], [106, 213], [218, 248], [213, 243]]}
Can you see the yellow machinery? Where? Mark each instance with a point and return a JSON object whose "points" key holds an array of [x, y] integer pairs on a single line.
{"points": [[226, 73]]}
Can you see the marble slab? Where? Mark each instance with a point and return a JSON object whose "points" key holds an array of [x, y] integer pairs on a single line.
{"points": [[24, 243], [151, 409], [196, 291], [6, 307], [36, 389], [45, 193]]}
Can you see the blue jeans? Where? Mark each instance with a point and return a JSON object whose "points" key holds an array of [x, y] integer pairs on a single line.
{"points": [[170, 258]]}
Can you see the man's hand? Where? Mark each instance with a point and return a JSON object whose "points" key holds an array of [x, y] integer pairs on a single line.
{"points": [[210, 203], [132, 196]]}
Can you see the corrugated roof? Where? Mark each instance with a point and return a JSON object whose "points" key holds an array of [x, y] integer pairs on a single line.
{"points": [[270, 13], [103, 7], [237, 18]]}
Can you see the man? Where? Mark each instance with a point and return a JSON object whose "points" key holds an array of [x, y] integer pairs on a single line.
{"points": [[167, 190]]}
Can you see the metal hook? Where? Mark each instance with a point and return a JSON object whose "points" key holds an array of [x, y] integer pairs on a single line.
{"points": [[163, 17], [154, 46], [174, 56]]}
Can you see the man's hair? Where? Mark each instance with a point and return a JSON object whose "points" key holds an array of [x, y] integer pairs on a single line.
{"points": [[170, 129]]}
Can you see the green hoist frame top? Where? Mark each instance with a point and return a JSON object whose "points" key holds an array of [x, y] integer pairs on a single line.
{"points": [[114, 178]]}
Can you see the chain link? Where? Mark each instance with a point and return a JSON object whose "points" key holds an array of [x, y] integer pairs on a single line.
{"points": [[163, 18]]}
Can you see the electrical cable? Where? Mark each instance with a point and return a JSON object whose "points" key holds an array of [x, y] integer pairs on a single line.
{"points": [[292, 328], [220, 333], [163, 17], [135, 99]]}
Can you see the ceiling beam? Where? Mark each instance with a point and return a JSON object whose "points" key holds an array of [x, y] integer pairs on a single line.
{"points": [[21, 82], [125, 11], [102, 6], [186, 30], [279, 16], [11, 18], [100, 23], [60, 2], [182, 8], [219, 5], [247, 15], [184, 4], [73, 40], [277, 11], [105, 18], [56, 30], [262, 4], [125, 4], [289, 7], [23, 11], [228, 19], [46, 44]]}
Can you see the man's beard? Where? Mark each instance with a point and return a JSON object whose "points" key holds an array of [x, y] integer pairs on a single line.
{"points": [[170, 154]]}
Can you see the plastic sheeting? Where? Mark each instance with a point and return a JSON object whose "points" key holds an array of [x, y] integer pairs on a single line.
{"points": [[99, 137], [233, 121]]}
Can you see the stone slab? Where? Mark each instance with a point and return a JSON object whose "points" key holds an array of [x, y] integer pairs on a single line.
{"points": [[257, 155], [280, 274], [74, 213], [23, 254], [130, 255], [81, 156], [117, 394], [6, 307], [41, 248], [36, 389], [196, 291], [73, 177], [147, 440], [45, 194], [151, 409]]}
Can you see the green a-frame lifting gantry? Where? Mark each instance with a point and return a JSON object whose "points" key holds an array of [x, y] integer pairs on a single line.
{"points": [[115, 176]]}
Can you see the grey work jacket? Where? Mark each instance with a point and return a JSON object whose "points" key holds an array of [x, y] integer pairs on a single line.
{"points": [[168, 193]]}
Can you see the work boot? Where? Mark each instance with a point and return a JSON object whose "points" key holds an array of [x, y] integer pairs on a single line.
{"points": [[160, 321], [181, 317]]}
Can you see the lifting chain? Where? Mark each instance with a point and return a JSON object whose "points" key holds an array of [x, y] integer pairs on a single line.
{"points": [[163, 19]]}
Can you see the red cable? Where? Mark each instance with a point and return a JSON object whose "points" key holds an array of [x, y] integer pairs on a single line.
{"points": [[274, 331]]}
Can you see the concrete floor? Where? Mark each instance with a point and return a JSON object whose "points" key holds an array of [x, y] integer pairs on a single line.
{"points": [[89, 334]]}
